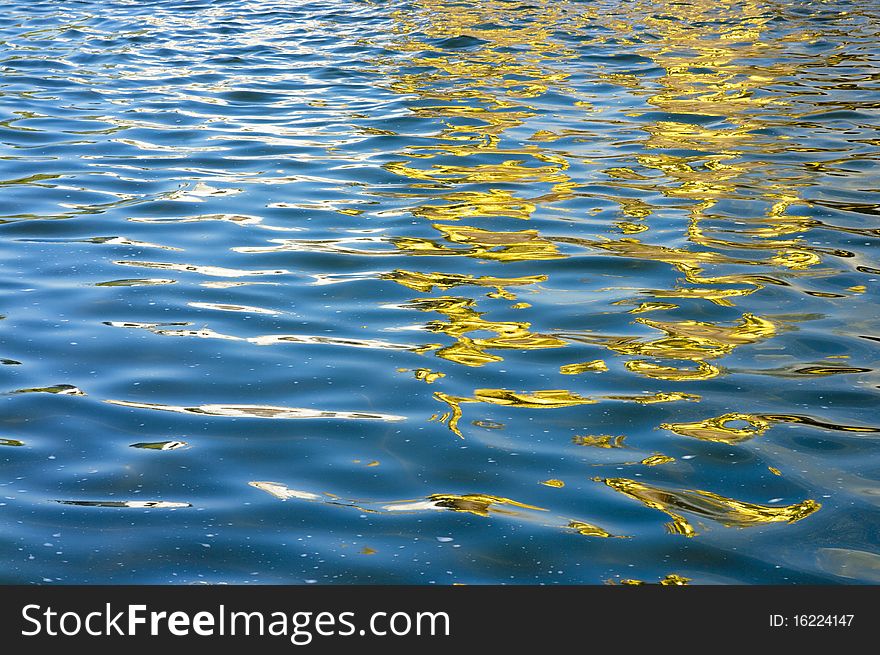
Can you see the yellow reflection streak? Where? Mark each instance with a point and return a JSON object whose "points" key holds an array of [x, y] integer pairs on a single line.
{"points": [[599, 441], [463, 319], [542, 399], [574, 369], [546, 399], [689, 340], [474, 95], [671, 580], [717, 429], [726, 511], [704, 371], [425, 282]]}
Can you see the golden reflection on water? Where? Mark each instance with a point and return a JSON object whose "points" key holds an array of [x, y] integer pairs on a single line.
{"points": [[671, 580], [573, 369], [473, 92], [599, 441], [655, 460], [479, 504], [478, 94], [427, 375], [695, 340], [705, 504], [543, 399], [511, 246], [462, 319], [483, 92], [588, 529], [718, 428], [425, 282], [703, 371]]}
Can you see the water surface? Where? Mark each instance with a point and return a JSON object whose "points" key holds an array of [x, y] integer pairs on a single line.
{"points": [[439, 292]]}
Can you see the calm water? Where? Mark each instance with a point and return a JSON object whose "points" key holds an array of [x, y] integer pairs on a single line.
{"points": [[436, 292]]}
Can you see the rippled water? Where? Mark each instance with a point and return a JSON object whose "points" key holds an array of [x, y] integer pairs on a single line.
{"points": [[436, 292]]}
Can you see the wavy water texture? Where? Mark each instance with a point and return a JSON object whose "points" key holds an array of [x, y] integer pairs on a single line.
{"points": [[481, 252]]}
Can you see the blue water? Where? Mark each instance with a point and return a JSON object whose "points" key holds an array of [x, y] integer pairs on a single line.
{"points": [[439, 292]]}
